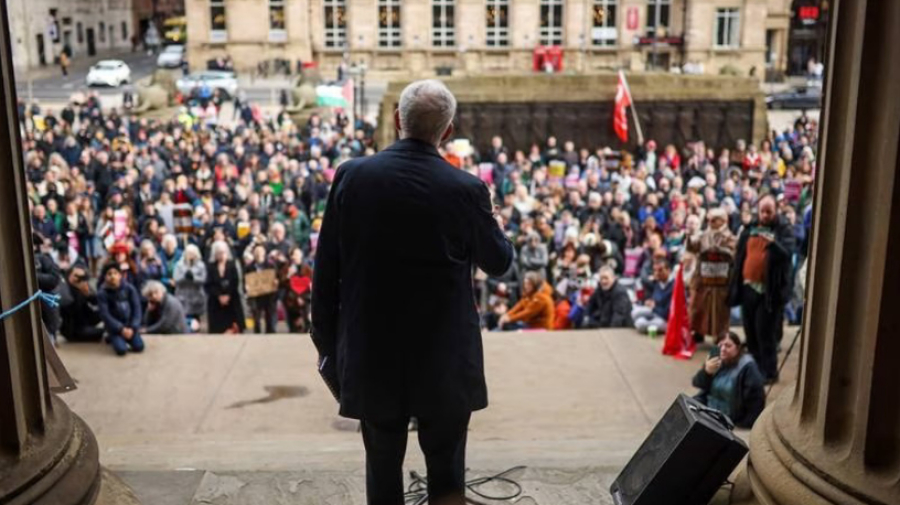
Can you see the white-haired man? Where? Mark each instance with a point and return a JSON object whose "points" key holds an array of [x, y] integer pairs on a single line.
{"points": [[399, 218], [165, 313]]}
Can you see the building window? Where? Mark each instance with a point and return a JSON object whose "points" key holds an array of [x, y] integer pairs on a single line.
{"points": [[658, 17], [102, 31], [335, 23], [728, 25], [389, 23], [603, 32], [497, 23], [218, 31], [443, 23], [277, 25], [551, 22], [79, 32], [124, 30]]}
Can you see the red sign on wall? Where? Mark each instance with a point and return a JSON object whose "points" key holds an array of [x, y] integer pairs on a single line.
{"points": [[632, 18], [809, 13]]}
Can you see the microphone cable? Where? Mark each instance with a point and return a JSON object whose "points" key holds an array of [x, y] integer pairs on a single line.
{"points": [[417, 492]]}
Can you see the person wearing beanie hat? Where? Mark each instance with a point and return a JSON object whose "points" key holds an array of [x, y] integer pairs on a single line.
{"points": [[714, 249], [120, 310]]}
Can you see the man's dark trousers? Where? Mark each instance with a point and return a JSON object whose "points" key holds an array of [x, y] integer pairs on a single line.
{"points": [[762, 328], [443, 441]]}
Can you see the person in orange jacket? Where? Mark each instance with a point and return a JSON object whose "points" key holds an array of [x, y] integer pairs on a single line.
{"points": [[561, 320], [535, 310]]}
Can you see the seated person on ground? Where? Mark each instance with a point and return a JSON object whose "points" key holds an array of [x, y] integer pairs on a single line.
{"points": [[165, 313], [732, 383], [609, 306], [120, 309], [655, 309], [535, 310], [81, 318]]}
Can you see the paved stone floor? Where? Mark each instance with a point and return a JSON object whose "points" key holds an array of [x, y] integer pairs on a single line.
{"points": [[245, 419]]}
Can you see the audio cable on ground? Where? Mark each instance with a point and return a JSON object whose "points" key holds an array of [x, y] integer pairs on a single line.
{"points": [[417, 492]]}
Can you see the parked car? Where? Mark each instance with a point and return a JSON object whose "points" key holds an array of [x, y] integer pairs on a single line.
{"points": [[221, 80], [171, 57], [809, 97], [112, 73]]}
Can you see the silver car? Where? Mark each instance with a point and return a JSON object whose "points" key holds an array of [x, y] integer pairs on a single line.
{"points": [[171, 57], [221, 80]]}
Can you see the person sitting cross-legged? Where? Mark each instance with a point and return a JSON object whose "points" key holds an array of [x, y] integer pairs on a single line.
{"points": [[535, 310], [120, 309], [609, 305]]}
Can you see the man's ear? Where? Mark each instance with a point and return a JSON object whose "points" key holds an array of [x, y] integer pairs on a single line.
{"points": [[447, 133], [397, 127]]}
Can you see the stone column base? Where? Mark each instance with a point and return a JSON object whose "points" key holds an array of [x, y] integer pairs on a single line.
{"points": [[61, 467], [776, 474]]}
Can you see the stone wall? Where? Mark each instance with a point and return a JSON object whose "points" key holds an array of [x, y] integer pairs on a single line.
{"points": [[528, 108]]}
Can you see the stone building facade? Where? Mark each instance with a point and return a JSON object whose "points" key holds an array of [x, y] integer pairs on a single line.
{"points": [[415, 37], [42, 29]]}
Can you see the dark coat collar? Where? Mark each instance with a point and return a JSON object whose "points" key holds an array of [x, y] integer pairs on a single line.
{"points": [[415, 145]]}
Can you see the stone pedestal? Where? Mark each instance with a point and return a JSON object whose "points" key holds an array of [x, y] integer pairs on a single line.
{"points": [[47, 455], [836, 437]]}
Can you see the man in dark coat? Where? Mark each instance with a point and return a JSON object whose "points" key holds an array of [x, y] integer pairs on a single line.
{"points": [[407, 217], [81, 318], [120, 309], [609, 306], [761, 283]]}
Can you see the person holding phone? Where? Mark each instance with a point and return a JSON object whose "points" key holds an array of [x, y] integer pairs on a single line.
{"points": [[731, 383]]}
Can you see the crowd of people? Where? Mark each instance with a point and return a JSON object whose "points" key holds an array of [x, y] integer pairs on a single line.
{"points": [[147, 226]]}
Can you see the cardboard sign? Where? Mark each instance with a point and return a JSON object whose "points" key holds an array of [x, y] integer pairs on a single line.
{"points": [[792, 190], [557, 170], [715, 268], [165, 212], [486, 172], [260, 283], [120, 224], [183, 216], [243, 230]]}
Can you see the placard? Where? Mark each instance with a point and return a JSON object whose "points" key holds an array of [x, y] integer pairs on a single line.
{"points": [[260, 283], [715, 268], [120, 224], [486, 172], [183, 216], [557, 170]]}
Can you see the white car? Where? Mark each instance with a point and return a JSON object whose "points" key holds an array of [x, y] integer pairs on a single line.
{"points": [[171, 57], [109, 73], [221, 80]]}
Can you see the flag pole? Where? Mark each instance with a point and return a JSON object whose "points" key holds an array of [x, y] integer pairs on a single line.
{"points": [[637, 122]]}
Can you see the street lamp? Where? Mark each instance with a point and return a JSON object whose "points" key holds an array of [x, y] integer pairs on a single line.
{"points": [[358, 71]]}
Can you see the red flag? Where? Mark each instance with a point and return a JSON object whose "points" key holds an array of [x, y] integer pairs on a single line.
{"points": [[679, 342], [620, 116]]}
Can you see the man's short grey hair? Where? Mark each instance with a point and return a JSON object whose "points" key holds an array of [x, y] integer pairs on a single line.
{"points": [[153, 287], [426, 110], [605, 269]]}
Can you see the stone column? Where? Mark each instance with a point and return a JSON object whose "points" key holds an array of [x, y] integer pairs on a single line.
{"points": [[47, 455], [836, 437]]}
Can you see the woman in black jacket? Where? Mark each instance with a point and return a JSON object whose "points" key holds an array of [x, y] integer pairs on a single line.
{"points": [[224, 309], [731, 383]]}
